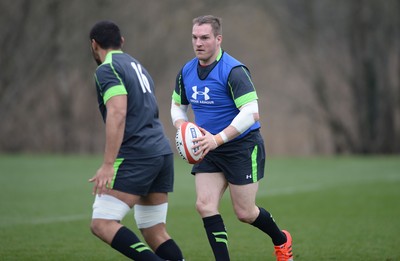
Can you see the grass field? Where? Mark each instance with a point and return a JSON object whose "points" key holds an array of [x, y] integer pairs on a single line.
{"points": [[344, 208]]}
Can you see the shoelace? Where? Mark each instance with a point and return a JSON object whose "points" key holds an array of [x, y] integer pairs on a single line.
{"points": [[282, 253]]}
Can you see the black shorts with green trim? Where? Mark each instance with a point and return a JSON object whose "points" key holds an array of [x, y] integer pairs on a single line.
{"points": [[144, 176], [242, 161]]}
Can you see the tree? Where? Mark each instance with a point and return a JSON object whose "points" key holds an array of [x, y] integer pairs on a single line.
{"points": [[348, 52]]}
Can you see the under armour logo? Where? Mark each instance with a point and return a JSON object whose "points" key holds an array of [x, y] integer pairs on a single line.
{"points": [[248, 176], [196, 93]]}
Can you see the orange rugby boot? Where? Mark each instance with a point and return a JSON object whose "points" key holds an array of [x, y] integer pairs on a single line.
{"points": [[284, 251]]}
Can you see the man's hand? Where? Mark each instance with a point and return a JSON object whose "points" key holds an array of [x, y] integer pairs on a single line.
{"points": [[205, 143], [103, 178]]}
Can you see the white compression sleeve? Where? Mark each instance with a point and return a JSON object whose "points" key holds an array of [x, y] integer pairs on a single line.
{"points": [[245, 118], [109, 207], [178, 112], [148, 216]]}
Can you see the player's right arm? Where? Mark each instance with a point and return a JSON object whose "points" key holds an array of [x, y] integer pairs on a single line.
{"points": [[114, 96], [179, 103], [115, 127], [178, 114]]}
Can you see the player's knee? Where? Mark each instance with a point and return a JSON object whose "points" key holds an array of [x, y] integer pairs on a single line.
{"points": [[106, 210], [244, 216], [99, 227], [96, 227], [203, 208], [154, 236]]}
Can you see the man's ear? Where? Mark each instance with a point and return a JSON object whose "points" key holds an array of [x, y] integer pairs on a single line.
{"points": [[219, 39], [94, 45], [122, 41]]}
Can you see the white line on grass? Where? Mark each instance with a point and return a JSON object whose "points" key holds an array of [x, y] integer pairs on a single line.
{"points": [[325, 184], [10, 221], [289, 190]]}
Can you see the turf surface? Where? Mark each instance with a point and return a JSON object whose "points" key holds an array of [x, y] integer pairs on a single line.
{"points": [[341, 208]]}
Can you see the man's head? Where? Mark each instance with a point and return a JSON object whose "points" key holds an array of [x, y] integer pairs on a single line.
{"points": [[105, 35], [206, 38], [214, 22]]}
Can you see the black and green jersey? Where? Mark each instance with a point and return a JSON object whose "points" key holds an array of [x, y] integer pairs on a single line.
{"points": [[121, 74]]}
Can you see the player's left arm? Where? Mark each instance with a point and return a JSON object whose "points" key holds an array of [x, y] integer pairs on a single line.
{"points": [[245, 98], [247, 116]]}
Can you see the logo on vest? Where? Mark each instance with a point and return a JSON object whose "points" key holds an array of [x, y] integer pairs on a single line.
{"points": [[197, 93]]}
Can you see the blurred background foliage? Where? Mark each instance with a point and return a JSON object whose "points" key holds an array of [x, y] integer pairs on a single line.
{"points": [[326, 71]]}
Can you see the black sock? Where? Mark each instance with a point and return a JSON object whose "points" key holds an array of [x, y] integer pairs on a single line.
{"points": [[267, 224], [217, 237], [127, 243], [169, 250]]}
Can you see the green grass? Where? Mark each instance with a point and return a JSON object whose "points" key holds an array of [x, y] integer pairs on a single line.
{"points": [[344, 208]]}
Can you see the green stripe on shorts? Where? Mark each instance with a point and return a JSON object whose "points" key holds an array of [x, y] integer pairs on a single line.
{"points": [[254, 164], [117, 163]]}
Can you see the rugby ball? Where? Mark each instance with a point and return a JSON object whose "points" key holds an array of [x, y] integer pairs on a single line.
{"points": [[184, 141]]}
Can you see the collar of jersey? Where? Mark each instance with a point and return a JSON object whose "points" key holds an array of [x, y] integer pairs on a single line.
{"points": [[219, 55], [108, 58]]}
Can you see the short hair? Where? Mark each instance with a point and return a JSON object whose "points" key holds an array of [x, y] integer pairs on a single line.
{"points": [[214, 21], [106, 34]]}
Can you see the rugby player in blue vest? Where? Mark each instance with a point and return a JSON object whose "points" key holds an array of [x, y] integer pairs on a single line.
{"points": [[137, 169], [224, 103]]}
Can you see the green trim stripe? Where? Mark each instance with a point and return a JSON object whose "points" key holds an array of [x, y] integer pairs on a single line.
{"points": [[220, 234], [114, 91], [121, 87], [248, 76], [108, 58], [220, 54], [117, 163], [248, 97], [221, 240], [176, 97], [254, 164], [98, 84], [221, 237], [139, 247], [230, 89]]}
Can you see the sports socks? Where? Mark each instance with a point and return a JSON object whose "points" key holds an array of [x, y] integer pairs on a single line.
{"points": [[267, 224], [127, 243], [169, 250], [217, 237]]}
